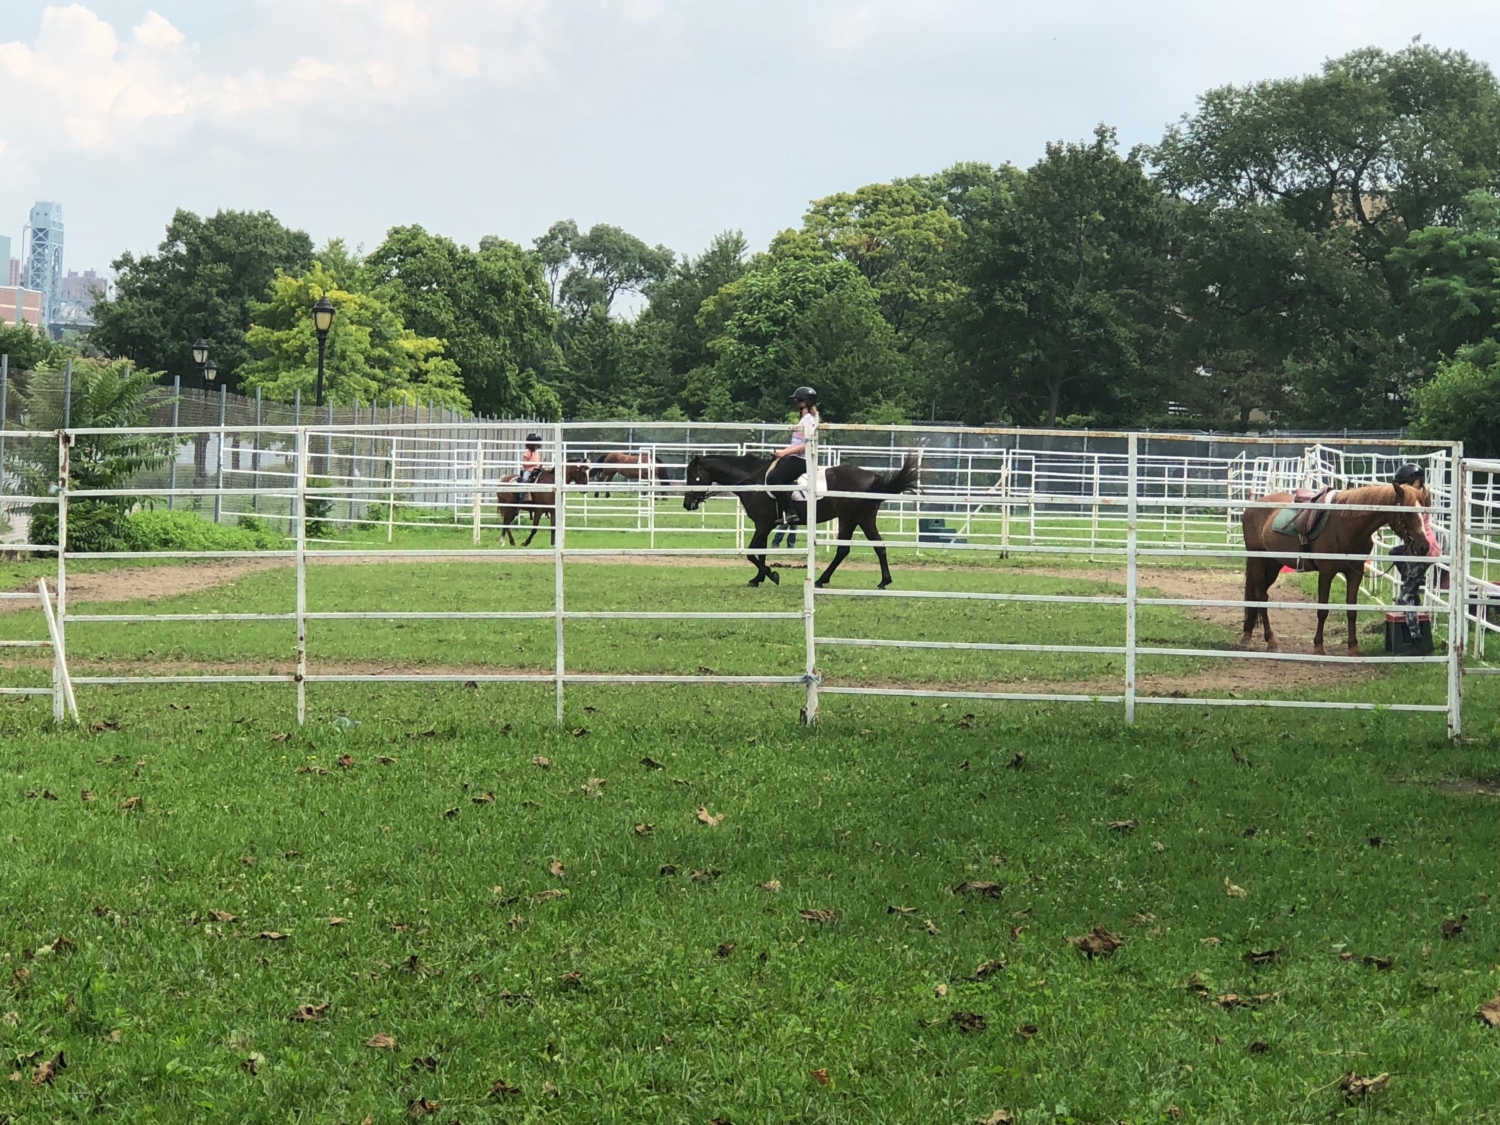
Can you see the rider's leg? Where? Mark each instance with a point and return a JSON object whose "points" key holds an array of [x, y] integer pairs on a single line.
{"points": [[786, 471]]}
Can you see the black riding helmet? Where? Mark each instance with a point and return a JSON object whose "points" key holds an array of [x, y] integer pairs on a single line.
{"points": [[805, 394], [1410, 474], [533, 439]]}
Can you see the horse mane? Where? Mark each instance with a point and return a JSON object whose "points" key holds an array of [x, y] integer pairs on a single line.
{"points": [[1376, 494]]}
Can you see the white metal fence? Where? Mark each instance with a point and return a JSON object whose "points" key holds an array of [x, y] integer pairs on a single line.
{"points": [[1135, 500]]}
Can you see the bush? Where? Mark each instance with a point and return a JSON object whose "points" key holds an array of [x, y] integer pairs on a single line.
{"points": [[317, 509], [163, 530], [1462, 401]]}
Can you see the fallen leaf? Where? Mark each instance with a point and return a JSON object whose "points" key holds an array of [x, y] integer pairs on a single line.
{"points": [[413, 965], [820, 1076], [1174, 1113], [667, 869], [280, 736], [550, 1090], [1195, 984], [130, 803], [593, 787], [104, 725], [970, 1023], [724, 950], [999, 1117], [1265, 957], [1251, 831], [1018, 762], [771, 886], [940, 991], [1228, 1000], [1027, 1030], [1212, 941], [900, 909], [644, 829], [271, 935], [449, 814], [382, 1041], [579, 732], [487, 798], [60, 944], [1233, 891], [346, 761], [706, 817], [701, 876], [422, 1107], [386, 760], [425, 1062], [251, 1064], [1259, 1047], [86, 795], [517, 923], [556, 868], [651, 763], [47, 1071], [571, 979], [980, 887], [820, 915], [1016, 932], [1489, 1011], [501, 1088], [1144, 918], [1098, 942], [1124, 825], [1452, 927], [932, 927], [307, 1013], [1384, 964], [1357, 1088], [336, 921], [987, 969]]}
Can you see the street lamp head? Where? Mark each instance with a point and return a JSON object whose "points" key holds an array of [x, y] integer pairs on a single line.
{"points": [[200, 352], [210, 371], [322, 316]]}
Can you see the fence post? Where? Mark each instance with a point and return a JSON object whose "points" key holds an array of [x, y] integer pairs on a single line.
{"points": [[478, 484], [219, 468], [67, 403], [64, 480], [4, 389], [255, 459], [809, 588], [390, 515], [559, 531], [176, 442], [1458, 593], [301, 516], [1131, 512]]}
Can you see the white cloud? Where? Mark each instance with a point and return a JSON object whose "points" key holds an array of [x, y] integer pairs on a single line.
{"points": [[349, 60]]}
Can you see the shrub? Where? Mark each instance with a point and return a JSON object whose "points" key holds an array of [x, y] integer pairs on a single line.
{"points": [[317, 510], [163, 530]]}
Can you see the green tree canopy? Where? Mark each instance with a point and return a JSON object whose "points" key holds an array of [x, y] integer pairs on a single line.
{"points": [[200, 283], [28, 348], [490, 306], [1462, 401], [371, 356]]}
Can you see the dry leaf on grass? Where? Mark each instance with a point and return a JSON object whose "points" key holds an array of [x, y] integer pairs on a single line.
{"points": [[1264, 957], [422, 1107], [86, 795], [271, 935], [593, 787], [545, 763], [987, 969], [307, 1013], [1452, 927], [130, 803], [820, 915], [999, 1117], [706, 817], [940, 991], [252, 1063], [47, 1071], [667, 869], [337, 921], [556, 868], [450, 814], [548, 896], [1233, 891], [1356, 1088], [932, 927], [724, 950], [1384, 964], [820, 1076], [1229, 1000], [571, 979], [487, 798], [1018, 762], [1027, 1030], [981, 888], [425, 1062], [644, 829], [970, 1023], [1259, 1047], [382, 1041], [651, 763], [1489, 1011], [702, 876], [1124, 825], [346, 761], [771, 886], [1098, 942], [900, 909], [385, 760], [1016, 932], [501, 1088]]}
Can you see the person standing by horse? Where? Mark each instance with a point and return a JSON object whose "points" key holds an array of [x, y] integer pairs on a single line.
{"points": [[1414, 574], [791, 462], [531, 461]]}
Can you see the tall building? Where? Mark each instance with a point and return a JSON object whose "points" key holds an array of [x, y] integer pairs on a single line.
{"points": [[43, 270]]}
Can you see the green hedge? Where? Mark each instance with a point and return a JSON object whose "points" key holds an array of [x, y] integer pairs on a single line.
{"points": [[163, 530]]}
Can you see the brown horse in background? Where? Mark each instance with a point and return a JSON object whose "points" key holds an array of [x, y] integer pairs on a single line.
{"points": [[540, 505], [627, 466], [1346, 533]]}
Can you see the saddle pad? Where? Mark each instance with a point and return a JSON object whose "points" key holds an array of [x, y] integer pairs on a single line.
{"points": [[800, 495], [1282, 523]]}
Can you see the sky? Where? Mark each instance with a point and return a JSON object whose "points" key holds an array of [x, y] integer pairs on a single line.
{"points": [[676, 119]]}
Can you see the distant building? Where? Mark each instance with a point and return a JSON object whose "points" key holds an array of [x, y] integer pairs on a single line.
{"points": [[15, 271], [20, 306], [76, 296], [43, 268]]}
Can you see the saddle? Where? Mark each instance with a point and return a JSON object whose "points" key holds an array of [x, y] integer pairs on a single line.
{"points": [[1305, 523], [800, 493]]}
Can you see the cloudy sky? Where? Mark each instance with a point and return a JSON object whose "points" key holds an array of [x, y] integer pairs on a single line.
{"points": [[673, 118]]}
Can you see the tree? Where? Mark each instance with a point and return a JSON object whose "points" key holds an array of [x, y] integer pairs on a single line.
{"points": [[1357, 158], [1067, 305], [200, 283], [371, 356], [590, 270], [796, 322], [1462, 401], [105, 395], [489, 306], [28, 349]]}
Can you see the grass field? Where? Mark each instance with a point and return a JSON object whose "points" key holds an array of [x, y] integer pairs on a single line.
{"points": [[664, 971]]}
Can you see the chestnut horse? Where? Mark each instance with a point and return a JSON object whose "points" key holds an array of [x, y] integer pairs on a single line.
{"points": [[513, 505], [1345, 533], [627, 466]]}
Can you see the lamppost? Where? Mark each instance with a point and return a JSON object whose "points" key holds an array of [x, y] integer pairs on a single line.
{"points": [[322, 314], [200, 357]]}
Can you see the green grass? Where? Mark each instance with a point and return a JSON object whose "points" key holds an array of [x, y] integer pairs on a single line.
{"points": [[887, 805]]}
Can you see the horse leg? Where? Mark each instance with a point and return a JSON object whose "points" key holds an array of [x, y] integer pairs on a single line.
{"points": [[758, 543], [1260, 574], [872, 533], [536, 525], [846, 531], [1272, 572], [1325, 586], [1352, 580]]}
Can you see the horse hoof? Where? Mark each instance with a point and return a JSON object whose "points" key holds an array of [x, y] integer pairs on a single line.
{"points": [[882, 586], [1354, 651], [1273, 646], [1246, 640], [755, 581], [774, 577], [1319, 650], [819, 585]]}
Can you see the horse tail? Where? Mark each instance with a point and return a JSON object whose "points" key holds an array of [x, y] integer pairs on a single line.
{"points": [[905, 479]]}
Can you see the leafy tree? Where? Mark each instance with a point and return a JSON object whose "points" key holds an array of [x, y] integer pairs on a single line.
{"points": [[105, 394], [1066, 313], [28, 349], [1453, 278], [490, 307], [371, 356], [795, 322], [1462, 401], [587, 271], [200, 283]]}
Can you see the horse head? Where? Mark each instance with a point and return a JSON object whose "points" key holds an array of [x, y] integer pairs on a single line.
{"points": [[578, 472], [1407, 524], [696, 479]]}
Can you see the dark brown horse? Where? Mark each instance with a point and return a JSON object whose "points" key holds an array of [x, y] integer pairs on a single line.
{"points": [[513, 505], [1346, 533], [626, 466], [712, 474]]}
